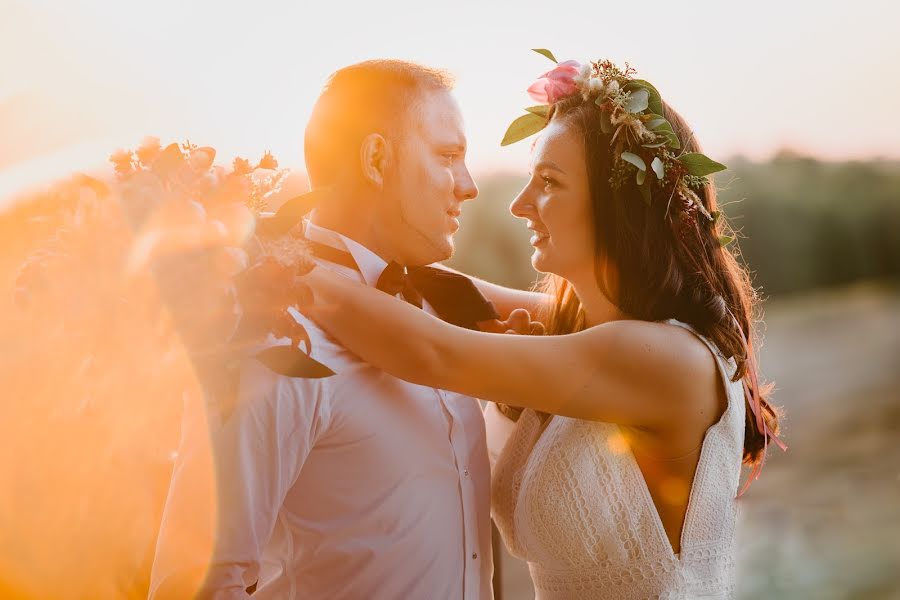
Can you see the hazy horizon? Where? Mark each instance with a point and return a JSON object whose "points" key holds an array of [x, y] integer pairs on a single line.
{"points": [[81, 80]]}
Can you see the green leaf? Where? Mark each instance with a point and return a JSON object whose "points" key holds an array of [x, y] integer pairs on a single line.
{"points": [[699, 164], [673, 141], [638, 101], [542, 110], [291, 212], [635, 160], [724, 240], [658, 167], [547, 53], [666, 130], [655, 121], [655, 102], [524, 126], [715, 215], [656, 145], [641, 177], [293, 362]]}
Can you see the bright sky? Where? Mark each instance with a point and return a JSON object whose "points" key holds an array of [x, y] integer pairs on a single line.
{"points": [[78, 78]]}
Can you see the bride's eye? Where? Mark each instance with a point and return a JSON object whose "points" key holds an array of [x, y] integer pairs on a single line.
{"points": [[549, 183]]}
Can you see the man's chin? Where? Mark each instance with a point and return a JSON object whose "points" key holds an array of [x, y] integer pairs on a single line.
{"points": [[444, 249]]}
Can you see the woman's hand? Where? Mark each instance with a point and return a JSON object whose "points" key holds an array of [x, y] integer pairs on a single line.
{"points": [[519, 322]]}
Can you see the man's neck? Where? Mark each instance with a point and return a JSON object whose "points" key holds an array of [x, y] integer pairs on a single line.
{"points": [[358, 227]]}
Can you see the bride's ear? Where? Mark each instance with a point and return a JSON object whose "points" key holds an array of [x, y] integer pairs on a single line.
{"points": [[374, 156]]}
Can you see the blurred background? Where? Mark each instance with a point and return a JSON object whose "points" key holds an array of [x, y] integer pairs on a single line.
{"points": [[796, 98]]}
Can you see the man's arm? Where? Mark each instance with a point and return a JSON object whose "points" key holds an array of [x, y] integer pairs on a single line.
{"points": [[229, 484]]}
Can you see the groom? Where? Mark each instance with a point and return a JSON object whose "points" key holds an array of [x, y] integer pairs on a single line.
{"points": [[359, 485]]}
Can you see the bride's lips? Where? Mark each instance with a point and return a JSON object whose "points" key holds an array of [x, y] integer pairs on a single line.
{"points": [[539, 238]]}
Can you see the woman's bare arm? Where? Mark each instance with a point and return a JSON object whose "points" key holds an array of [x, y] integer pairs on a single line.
{"points": [[628, 372]]}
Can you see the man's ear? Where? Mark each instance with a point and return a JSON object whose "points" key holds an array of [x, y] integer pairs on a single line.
{"points": [[374, 157]]}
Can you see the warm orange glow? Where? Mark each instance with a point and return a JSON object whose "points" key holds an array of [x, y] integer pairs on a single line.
{"points": [[94, 385], [674, 491], [617, 443]]}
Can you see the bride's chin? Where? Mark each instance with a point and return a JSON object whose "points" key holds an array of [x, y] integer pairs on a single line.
{"points": [[539, 262]]}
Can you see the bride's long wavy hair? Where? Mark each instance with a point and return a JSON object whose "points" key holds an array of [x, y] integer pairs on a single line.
{"points": [[665, 266]]}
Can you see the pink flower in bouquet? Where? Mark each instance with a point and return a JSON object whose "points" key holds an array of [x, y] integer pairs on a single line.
{"points": [[557, 83]]}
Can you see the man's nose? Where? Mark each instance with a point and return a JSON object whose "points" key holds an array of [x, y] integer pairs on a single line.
{"points": [[465, 186]]}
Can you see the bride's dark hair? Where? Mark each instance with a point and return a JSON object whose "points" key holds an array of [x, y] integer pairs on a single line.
{"points": [[668, 263]]}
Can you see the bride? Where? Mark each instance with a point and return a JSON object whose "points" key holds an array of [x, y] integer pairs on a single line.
{"points": [[631, 419]]}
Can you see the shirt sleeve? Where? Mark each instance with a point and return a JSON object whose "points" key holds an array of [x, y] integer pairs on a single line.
{"points": [[229, 483]]}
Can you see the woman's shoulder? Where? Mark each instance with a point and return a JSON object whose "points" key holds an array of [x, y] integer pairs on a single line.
{"points": [[670, 356], [669, 341]]}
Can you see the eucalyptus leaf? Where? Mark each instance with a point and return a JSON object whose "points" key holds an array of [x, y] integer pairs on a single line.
{"points": [[526, 125], [658, 167], [293, 362], [666, 130], [655, 121], [673, 141], [638, 101], [542, 110], [641, 177], [724, 240], [547, 53], [699, 164], [656, 145], [635, 160], [655, 102]]}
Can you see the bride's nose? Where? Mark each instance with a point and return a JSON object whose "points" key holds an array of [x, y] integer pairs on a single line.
{"points": [[522, 206]]}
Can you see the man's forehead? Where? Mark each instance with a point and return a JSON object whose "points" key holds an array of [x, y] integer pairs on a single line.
{"points": [[438, 118]]}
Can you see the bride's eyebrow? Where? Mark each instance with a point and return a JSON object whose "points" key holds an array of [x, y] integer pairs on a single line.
{"points": [[546, 164]]}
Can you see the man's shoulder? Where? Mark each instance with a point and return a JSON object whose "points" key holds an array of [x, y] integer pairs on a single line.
{"points": [[257, 376]]}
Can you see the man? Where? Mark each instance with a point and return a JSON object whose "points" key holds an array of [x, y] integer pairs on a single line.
{"points": [[359, 485]]}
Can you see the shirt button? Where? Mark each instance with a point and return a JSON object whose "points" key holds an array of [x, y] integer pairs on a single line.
{"points": [[474, 555], [466, 472]]}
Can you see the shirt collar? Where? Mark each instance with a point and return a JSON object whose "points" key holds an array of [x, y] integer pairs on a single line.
{"points": [[370, 264]]}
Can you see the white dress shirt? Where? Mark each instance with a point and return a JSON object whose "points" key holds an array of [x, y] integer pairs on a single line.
{"points": [[358, 485]]}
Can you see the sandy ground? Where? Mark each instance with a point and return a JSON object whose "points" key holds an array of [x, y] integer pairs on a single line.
{"points": [[823, 522]]}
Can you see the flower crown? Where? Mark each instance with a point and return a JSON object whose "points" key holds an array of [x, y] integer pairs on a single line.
{"points": [[644, 144]]}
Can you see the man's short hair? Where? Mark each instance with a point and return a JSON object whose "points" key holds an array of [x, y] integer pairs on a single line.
{"points": [[369, 97]]}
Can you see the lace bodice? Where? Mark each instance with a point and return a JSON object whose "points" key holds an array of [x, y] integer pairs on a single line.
{"points": [[571, 501]]}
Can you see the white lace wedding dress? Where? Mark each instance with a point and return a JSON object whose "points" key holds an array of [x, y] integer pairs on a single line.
{"points": [[583, 518]]}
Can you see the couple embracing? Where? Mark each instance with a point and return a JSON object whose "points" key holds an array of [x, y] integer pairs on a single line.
{"points": [[617, 422]]}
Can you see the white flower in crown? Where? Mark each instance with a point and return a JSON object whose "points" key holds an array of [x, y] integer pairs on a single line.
{"points": [[584, 74]]}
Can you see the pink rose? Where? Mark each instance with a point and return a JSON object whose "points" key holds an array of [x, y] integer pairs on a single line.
{"points": [[556, 84]]}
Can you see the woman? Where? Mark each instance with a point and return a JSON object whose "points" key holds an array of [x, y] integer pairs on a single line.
{"points": [[619, 477]]}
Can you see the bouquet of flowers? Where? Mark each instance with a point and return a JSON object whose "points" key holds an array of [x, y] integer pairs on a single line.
{"points": [[223, 267]]}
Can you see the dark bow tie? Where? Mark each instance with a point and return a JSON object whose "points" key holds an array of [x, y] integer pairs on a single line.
{"points": [[395, 280], [453, 297]]}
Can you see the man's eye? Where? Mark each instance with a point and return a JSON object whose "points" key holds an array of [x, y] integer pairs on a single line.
{"points": [[548, 182], [449, 157]]}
